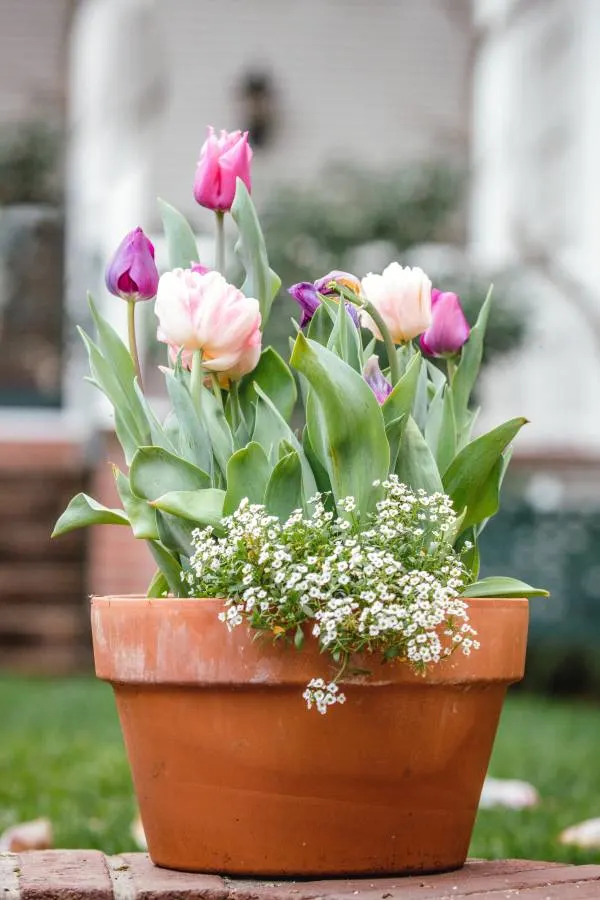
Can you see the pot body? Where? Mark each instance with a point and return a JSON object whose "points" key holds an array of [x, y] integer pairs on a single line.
{"points": [[234, 775]]}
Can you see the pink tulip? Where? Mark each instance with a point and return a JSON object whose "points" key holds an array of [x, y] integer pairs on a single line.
{"points": [[402, 297], [203, 312], [222, 160], [449, 328]]}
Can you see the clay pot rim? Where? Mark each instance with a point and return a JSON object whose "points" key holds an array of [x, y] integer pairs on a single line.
{"points": [[476, 602]]}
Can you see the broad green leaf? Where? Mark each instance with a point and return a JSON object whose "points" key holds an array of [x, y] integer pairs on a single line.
{"points": [[421, 401], [204, 507], [142, 517], [344, 339], [261, 281], [276, 380], [103, 375], [394, 431], [440, 428], [159, 586], [248, 472], [345, 424], [471, 480], [194, 444], [400, 401], [321, 325], [83, 511], [155, 472], [500, 586], [284, 492], [436, 375], [470, 362], [323, 484], [118, 357], [217, 427], [271, 430], [170, 566], [175, 533], [416, 466], [158, 433], [181, 241]]}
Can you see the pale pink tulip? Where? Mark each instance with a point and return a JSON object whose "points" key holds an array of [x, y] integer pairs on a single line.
{"points": [[402, 297], [223, 159], [203, 312]]}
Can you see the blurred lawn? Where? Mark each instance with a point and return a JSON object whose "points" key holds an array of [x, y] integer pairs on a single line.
{"points": [[61, 756]]}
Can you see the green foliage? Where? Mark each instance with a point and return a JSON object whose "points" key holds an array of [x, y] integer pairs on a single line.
{"points": [[222, 444]]}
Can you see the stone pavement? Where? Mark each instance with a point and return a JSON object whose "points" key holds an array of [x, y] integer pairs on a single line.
{"points": [[89, 875]]}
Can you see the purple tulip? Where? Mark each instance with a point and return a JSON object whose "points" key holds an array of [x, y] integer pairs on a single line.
{"points": [[449, 328], [306, 293], [132, 273], [376, 380]]}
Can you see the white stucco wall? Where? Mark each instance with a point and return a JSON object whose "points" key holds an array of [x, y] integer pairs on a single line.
{"points": [[535, 189]]}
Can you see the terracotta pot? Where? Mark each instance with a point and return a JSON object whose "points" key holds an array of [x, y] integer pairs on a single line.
{"points": [[234, 775]]}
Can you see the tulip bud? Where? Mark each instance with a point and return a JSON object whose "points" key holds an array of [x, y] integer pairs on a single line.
{"points": [[376, 380], [132, 273], [222, 160], [402, 297], [203, 312], [449, 328]]}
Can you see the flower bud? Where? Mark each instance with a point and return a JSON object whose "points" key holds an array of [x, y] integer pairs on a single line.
{"points": [[402, 297], [222, 160], [376, 380], [305, 293], [203, 312], [132, 273], [449, 328]]}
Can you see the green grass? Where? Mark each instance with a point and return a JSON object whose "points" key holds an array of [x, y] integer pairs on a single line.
{"points": [[61, 756]]}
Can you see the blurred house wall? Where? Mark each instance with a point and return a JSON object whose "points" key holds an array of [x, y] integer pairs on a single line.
{"points": [[535, 195]]}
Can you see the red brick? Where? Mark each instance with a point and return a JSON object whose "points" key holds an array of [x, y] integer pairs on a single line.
{"points": [[64, 875], [152, 883]]}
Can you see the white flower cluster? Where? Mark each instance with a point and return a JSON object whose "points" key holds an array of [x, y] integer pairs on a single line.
{"points": [[389, 588], [322, 695]]}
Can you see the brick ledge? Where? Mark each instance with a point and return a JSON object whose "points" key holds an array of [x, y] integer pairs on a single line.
{"points": [[89, 875]]}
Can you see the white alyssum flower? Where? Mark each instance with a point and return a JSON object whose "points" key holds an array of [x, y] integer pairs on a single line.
{"points": [[388, 585]]}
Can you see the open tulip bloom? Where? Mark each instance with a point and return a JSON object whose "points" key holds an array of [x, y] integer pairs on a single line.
{"points": [[385, 439]]}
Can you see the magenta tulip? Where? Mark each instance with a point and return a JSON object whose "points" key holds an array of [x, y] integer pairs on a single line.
{"points": [[449, 328], [222, 160], [132, 273]]}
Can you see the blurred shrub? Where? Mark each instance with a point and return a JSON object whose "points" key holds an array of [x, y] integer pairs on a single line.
{"points": [[359, 220], [29, 155]]}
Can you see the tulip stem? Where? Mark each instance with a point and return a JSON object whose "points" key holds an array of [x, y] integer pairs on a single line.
{"points": [[390, 347], [220, 242], [196, 376], [451, 368], [216, 388], [132, 341], [234, 405], [363, 303]]}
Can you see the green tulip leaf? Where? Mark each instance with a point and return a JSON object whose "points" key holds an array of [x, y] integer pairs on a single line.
{"points": [[155, 472], [416, 465], [203, 507], [170, 566], [500, 586], [159, 586], [345, 424], [400, 401], [83, 511], [344, 339], [248, 472], [275, 379], [321, 325], [216, 425], [175, 534], [181, 241], [261, 281], [194, 444], [142, 517], [468, 369], [284, 492], [473, 477]]}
